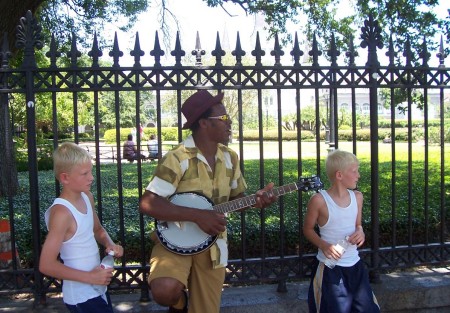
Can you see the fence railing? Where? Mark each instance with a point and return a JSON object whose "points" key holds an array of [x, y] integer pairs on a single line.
{"points": [[252, 92]]}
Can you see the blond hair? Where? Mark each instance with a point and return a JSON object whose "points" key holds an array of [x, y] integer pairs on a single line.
{"points": [[339, 160], [68, 155]]}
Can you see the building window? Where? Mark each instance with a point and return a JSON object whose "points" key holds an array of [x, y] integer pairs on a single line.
{"points": [[366, 108]]}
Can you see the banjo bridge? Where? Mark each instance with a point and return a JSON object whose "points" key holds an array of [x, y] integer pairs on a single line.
{"points": [[162, 225]]}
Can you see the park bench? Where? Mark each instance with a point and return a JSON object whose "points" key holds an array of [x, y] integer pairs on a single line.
{"points": [[109, 153]]}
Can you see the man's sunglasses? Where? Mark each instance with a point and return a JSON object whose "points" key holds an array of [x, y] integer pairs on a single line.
{"points": [[224, 117]]}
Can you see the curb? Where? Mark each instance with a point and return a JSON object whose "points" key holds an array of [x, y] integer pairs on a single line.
{"points": [[422, 290]]}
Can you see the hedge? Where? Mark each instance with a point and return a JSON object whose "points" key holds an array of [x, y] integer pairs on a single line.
{"points": [[167, 134], [401, 134]]}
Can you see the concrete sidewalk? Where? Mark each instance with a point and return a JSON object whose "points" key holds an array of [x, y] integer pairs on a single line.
{"points": [[423, 290]]}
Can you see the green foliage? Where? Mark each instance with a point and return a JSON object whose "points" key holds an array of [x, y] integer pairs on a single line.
{"points": [[171, 133], [21, 160], [66, 107], [408, 20], [110, 135], [308, 119], [364, 134], [125, 101], [434, 135], [346, 134], [387, 123], [167, 134], [231, 102], [85, 17], [44, 155]]}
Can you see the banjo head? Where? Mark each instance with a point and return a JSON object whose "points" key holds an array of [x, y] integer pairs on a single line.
{"points": [[192, 200], [185, 237]]}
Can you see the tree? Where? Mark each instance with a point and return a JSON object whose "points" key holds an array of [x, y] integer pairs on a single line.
{"points": [[10, 14], [399, 98], [127, 109], [407, 20], [230, 100], [65, 17], [289, 122], [249, 107]]}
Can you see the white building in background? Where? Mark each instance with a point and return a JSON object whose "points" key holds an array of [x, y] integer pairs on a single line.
{"points": [[344, 100]]}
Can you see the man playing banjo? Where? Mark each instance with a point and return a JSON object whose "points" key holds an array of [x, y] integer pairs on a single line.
{"points": [[202, 164]]}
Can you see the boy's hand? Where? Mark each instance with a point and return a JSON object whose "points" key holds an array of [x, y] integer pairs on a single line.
{"points": [[101, 276], [330, 252], [118, 250], [358, 237]]}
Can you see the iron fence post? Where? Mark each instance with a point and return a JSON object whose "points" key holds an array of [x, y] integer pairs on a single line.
{"points": [[28, 37], [371, 36]]}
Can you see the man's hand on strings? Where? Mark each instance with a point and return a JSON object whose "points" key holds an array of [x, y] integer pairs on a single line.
{"points": [[265, 197]]}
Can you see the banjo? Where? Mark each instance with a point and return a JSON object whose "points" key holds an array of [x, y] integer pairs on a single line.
{"points": [[186, 238]]}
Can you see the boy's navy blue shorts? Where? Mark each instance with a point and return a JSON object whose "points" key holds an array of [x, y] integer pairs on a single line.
{"points": [[94, 305], [341, 290]]}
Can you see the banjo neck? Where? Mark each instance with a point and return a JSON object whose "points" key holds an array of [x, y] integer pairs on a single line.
{"points": [[247, 201], [187, 238]]}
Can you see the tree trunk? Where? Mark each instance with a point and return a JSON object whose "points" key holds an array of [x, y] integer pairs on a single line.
{"points": [[10, 13], [8, 170]]}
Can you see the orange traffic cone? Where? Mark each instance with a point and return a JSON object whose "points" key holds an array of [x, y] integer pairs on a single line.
{"points": [[6, 253]]}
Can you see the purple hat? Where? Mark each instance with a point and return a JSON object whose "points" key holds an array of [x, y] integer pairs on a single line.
{"points": [[197, 104]]}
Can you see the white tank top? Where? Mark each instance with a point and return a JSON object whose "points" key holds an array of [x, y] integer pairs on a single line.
{"points": [[79, 252], [341, 223]]}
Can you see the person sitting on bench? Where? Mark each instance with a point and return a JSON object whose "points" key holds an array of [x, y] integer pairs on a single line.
{"points": [[152, 147], [130, 152]]}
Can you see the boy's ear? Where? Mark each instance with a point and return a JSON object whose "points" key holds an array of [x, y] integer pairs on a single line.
{"points": [[63, 177], [338, 175]]}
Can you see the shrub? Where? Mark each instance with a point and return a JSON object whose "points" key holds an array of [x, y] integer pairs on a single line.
{"points": [[434, 135], [272, 135], [110, 135], [401, 134], [400, 123], [167, 134]]}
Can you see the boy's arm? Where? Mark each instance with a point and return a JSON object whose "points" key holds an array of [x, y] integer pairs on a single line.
{"points": [[59, 224], [314, 214], [317, 214], [102, 236], [358, 237]]}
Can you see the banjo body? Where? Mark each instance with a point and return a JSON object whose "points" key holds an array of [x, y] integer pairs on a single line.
{"points": [[187, 238]]}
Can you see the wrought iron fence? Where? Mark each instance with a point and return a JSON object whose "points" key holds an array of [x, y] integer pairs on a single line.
{"points": [[389, 245]]}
